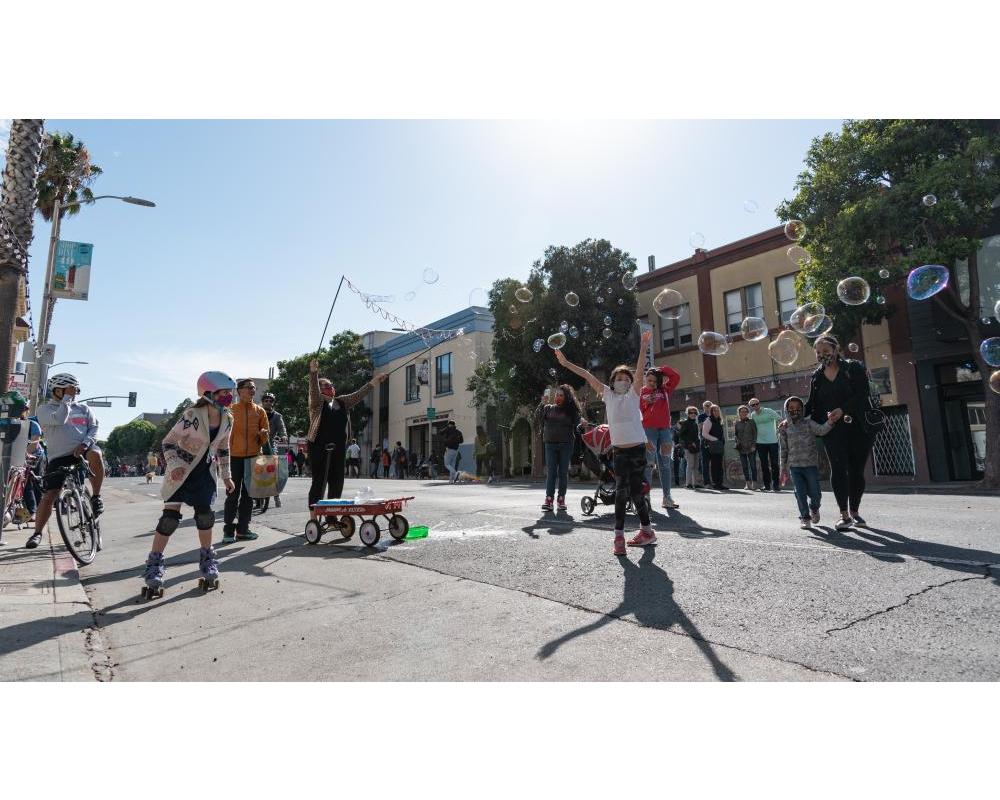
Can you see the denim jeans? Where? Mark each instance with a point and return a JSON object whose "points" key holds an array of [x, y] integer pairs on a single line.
{"points": [[807, 491], [749, 463], [557, 456], [449, 462], [660, 438]]}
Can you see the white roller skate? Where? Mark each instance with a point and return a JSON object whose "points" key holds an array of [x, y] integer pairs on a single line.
{"points": [[154, 575], [209, 566]]}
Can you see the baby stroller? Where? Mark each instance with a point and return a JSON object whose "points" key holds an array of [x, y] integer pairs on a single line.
{"points": [[597, 457]]}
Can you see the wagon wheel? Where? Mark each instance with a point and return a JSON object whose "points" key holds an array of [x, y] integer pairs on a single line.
{"points": [[587, 504], [313, 532], [369, 533], [398, 527], [347, 527]]}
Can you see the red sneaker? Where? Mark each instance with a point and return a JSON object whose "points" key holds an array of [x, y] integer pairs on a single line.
{"points": [[619, 544], [642, 538]]}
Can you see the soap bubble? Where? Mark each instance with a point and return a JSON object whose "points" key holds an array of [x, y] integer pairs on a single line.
{"points": [[996, 310], [750, 206], [795, 229], [537, 345], [987, 320], [753, 329], [600, 300], [621, 301], [883, 274], [564, 326], [512, 373], [853, 347], [410, 295], [713, 344], [573, 331], [607, 333], [513, 308], [364, 494], [929, 200], [853, 291], [880, 299], [629, 281], [607, 320], [995, 381], [784, 350], [430, 276], [799, 256], [697, 239], [557, 341], [523, 294], [477, 297], [927, 281], [572, 299], [669, 304], [990, 351], [885, 356], [822, 326], [806, 319], [552, 371], [491, 365]]}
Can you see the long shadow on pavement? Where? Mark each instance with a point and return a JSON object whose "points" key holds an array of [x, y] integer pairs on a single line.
{"points": [[648, 594]]}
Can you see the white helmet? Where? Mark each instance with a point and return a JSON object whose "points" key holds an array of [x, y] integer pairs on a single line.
{"points": [[62, 380]]}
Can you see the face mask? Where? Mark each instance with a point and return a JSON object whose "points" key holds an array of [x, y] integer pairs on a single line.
{"points": [[621, 387], [826, 359], [326, 391], [560, 399], [225, 401], [795, 414]]}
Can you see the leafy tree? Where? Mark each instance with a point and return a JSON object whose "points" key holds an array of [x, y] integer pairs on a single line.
{"points": [[861, 198], [344, 362], [134, 439], [66, 172]]}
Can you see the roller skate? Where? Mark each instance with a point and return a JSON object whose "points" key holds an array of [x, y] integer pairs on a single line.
{"points": [[209, 566], [154, 574]]}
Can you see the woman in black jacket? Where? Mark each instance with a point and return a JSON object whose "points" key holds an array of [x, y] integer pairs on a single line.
{"points": [[687, 437], [558, 420], [839, 391]]}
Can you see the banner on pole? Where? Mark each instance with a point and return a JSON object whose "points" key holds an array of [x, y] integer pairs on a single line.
{"points": [[71, 276]]}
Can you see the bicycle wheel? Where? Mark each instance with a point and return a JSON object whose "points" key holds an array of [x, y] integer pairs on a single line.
{"points": [[76, 526], [12, 495]]}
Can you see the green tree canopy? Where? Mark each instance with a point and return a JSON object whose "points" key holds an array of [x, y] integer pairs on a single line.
{"points": [[164, 427], [66, 172], [131, 440]]}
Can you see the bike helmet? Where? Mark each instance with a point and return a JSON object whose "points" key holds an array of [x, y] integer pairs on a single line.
{"points": [[62, 380], [211, 382], [267, 396]]}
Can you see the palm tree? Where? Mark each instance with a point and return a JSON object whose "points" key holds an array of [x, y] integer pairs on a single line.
{"points": [[66, 173], [17, 207]]}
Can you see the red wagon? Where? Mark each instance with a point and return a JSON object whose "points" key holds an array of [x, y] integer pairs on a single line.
{"points": [[368, 531]]}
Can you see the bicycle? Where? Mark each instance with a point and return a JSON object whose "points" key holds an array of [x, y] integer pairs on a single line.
{"points": [[80, 530], [14, 509]]}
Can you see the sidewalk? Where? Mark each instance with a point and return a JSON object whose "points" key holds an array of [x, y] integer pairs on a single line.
{"points": [[47, 630]]}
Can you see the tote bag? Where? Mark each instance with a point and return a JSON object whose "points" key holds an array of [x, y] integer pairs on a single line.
{"points": [[265, 475]]}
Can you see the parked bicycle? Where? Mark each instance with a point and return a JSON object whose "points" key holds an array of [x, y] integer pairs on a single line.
{"points": [[80, 530], [19, 480]]}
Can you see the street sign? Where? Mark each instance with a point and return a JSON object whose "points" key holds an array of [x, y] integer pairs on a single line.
{"points": [[99, 404], [431, 413]]}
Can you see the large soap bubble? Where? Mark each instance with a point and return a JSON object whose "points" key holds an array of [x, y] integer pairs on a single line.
{"points": [[853, 291], [713, 344], [477, 297], [430, 276], [572, 299], [669, 304], [927, 281], [995, 381], [697, 239], [807, 318], [523, 294], [799, 256], [990, 351], [629, 281], [784, 350], [753, 329], [750, 206], [557, 341], [821, 326], [795, 229]]}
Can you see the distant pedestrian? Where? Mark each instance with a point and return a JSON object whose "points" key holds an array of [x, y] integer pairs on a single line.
{"points": [[452, 441], [703, 445], [558, 420], [714, 434], [689, 436], [354, 459], [746, 445], [386, 462], [767, 444], [800, 458], [481, 450], [374, 462], [300, 463]]}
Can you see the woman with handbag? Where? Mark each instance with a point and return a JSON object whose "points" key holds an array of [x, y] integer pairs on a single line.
{"points": [[687, 437], [840, 391], [715, 435]]}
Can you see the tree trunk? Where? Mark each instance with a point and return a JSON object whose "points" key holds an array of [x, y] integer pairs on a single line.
{"points": [[17, 203]]}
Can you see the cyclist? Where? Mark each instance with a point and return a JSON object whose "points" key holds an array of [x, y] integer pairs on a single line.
{"points": [[70, 432], [276, 430]]}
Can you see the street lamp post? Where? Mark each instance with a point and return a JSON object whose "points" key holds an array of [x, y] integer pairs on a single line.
{"points": [[48, 301]]}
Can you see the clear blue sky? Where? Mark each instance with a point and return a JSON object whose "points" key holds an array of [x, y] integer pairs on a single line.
{"points": [[255, 222]]}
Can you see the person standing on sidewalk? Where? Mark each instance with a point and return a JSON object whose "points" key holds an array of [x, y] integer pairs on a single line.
{"points": [[330, 425], [277, 432], [558, 420], [767, 444], [655, 404], [250, 434], [746, 445], [713, 433], [706, 407], [354, 459], [452, 441], [482, 450], [689, 438]]}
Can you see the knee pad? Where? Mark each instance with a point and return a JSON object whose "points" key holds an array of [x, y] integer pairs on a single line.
{"points": [[204, 518], [168, 522]]}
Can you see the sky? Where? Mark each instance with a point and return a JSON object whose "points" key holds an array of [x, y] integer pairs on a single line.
{"points": [[255, 222]]}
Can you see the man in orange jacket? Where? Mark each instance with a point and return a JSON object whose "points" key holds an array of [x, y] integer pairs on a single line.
{"points": [[250, 433]]}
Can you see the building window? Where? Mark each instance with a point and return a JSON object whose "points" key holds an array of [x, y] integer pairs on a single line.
{"points": [[412, 387], [676, 332], [442, 374], [785, 286], [743, 303], [747, 391]]}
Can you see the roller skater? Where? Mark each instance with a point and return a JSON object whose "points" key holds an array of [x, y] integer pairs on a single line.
{"points": [[196, 450]]}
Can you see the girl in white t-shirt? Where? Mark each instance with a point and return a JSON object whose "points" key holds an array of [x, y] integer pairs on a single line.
{"points": [[621, 399]]}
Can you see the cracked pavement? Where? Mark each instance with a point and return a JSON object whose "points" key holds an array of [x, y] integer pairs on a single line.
{"points": [[733, 590]]}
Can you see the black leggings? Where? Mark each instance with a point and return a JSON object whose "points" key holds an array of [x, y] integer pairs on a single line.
{"points": [[630, 470], [715, 462], [848, 454], [321, 478]]}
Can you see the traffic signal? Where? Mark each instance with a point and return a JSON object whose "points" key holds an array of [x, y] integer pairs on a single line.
{"points": [[131, 399]]}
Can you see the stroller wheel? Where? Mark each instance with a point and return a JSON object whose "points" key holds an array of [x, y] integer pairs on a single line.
{"points": [[587, 505]]}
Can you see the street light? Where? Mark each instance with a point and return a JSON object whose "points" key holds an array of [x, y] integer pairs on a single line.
{"points": [[67, 362]]}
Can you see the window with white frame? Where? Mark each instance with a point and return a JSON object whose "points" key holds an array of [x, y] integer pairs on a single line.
{"points": [[675, 333], [785, 290], [743, 303]]}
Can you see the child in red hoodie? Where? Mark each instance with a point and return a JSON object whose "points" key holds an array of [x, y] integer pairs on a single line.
{"points": [[654, 402]]}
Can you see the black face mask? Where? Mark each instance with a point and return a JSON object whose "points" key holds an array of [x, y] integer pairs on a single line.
{"points": [[795, 415], [827, 359]]}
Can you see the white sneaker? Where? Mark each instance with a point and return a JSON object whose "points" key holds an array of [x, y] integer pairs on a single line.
{"points": [[668, 503]]}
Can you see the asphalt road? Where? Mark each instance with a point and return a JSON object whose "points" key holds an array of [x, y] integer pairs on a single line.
{"points": [[733, 590]]}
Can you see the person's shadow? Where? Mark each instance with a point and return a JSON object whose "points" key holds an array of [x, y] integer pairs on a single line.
{"points": [[648, 595]]}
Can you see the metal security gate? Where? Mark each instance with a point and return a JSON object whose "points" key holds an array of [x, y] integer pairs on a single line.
{"points": [[892, 450]]}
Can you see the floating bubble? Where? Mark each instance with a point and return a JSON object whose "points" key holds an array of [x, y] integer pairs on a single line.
{"points": [[929, 200], [573, 331], [784, 350], [883, 274], [697, 239], [621, 301], [990, 351], [572, 299], [430, 276], [995, 381], [552, 371], [537, 345], [996, 310], [600, 300], [410, 295], [853, 347], [822, 326], [753, 329], [513, 308], [564, 326], [927, 281], [795, 229], [848, 419], [512, 373], [987, 320], [853, 291], [806, 319], [669, 304], [629, 281], [798, 255], [607, 333], [607, 320], [557, 341], [477, 297], [880, 299], [609, 290], [750, 206], [885, 356], [523, 294], [713, 344], [491, 365]]}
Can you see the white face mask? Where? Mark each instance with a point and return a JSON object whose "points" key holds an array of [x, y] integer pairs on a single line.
{"points": [[621, 387]]}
